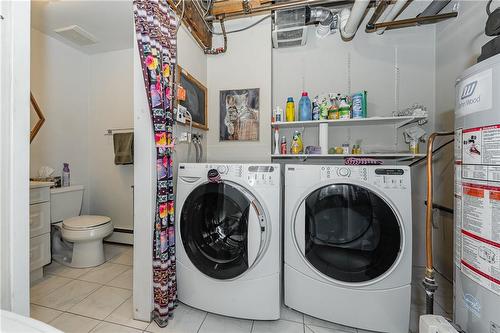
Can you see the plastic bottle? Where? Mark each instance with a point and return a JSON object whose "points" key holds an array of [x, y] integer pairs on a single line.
{"points": [[290, 109], [283, 146], [65, 175], [344, 109], [297, 147], [276, 141], [278, 114], [305, 112], [315, 109]]}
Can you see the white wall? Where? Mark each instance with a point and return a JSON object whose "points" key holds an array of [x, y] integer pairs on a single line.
{"points": [[60, 84], [193, 60], [110, 106], [458, 44], [246, 64]]}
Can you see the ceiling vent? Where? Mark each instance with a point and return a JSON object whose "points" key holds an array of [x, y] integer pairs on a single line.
{"points": [[289, 28], [77, 35]]}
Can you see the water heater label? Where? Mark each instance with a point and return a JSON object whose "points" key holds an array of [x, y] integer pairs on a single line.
{"points": [[480, 233], [474, 94]]}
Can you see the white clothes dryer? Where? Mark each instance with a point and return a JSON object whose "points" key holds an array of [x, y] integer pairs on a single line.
{"points": [[228, 239], [347, 237]]}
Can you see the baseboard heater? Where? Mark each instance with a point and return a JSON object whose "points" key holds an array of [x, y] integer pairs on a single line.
{"points": [[121, 236]]}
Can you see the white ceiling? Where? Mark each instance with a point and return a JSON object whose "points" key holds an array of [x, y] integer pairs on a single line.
{"points": [[111, 22]]}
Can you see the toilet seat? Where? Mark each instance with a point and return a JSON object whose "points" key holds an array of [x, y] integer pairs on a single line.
{"points": [[85, 222]]}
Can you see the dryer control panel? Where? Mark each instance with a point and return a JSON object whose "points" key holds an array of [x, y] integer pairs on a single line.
{"points": [[334, 171], [389, 178], [253, 175]]}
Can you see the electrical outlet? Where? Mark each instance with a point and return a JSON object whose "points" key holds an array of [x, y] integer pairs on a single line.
{"points": [[183, 137], [181, 114]]}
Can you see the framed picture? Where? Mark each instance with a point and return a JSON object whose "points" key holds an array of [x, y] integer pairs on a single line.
{"points": [[196, 98], [239, 115]]}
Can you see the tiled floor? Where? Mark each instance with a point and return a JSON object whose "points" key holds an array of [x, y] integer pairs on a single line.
{"points": [[95, 299], [100, 300]]}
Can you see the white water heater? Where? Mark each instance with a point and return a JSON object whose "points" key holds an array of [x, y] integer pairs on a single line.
{"points": [[477, 199]]}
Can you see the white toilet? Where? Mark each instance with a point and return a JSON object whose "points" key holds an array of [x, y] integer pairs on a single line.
{"points": [[76, 239]]}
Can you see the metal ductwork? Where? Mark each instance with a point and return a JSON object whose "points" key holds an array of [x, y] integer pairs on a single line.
{"points": [[324, 17]]}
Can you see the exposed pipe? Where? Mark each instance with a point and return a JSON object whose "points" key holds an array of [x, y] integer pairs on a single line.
{"points": [[322, 15], [393, 13], [287, 5], [355, 16], [434, 7], [429, 282], [381, 7], [415, 21]]}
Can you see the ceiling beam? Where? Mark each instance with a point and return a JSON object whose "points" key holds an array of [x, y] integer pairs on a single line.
{"points": [[194, 21]]}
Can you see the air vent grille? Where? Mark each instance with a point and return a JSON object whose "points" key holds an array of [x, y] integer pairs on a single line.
{"points": [[290, 34], [290, 43], [77, 35]]}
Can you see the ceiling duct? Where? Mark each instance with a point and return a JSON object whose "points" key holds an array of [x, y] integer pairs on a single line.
{"points": [[291, 25], [77, 35]]}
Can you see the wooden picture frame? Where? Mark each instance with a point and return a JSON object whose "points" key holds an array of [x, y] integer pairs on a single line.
{"points": [[41, 117], [196, 98]]}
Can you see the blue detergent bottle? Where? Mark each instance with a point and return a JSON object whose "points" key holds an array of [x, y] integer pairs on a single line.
{"points": [[305, 112]]}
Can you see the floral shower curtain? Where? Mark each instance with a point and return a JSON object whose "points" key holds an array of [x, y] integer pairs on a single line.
{"points": [[156, 25]]}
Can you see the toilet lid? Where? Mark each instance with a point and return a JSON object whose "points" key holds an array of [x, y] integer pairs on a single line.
{"points": [[85, 222]]}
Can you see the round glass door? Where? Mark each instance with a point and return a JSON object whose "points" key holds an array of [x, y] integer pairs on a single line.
{"points": [[214, 230], [351, 234]]}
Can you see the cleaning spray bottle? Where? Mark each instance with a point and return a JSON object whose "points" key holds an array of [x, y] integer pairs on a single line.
{"points": [[297, 147]]}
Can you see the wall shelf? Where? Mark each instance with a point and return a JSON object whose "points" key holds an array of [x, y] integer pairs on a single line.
{"points": [[393, 156], [396, 121]]}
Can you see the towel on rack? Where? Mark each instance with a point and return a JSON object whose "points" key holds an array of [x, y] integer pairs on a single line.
{"points": [[124, 148]]}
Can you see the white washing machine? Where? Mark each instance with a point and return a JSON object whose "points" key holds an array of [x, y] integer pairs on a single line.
{"points": [[347, 237], [228, 239]]}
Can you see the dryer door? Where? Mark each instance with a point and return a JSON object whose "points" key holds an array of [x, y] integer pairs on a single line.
{"points": [[348, 233], [220, 229]]}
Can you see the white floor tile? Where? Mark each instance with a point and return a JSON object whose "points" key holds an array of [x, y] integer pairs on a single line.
{"points": [[102, 302], [68, 295], [48, 284], [186, 320], [105, 327], [311, 321], [43, 314], [291, 315], [70, 323], [124, 315], [68, 272], [318, 329], [124, 280], [277, 326], [126, 258], [215, 324], [113, 250], [104, 273]]}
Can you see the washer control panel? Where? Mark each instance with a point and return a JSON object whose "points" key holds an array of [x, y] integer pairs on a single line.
{"points": [[254, 175], [334, 171], [389, 178], [258, 175]]}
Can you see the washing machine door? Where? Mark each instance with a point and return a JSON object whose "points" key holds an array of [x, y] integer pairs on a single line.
{"points": [[223, 229], [348, 233]]}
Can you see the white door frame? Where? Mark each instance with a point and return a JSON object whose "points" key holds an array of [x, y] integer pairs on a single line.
{"points": [[144, 197], [14, 154]]}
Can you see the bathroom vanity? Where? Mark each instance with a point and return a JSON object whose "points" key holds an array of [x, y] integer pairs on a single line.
{"points": [[39, 228]]}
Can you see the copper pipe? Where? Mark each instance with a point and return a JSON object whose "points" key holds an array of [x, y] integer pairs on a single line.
{"points": [[414, 21], [376, 14], [429, 271]]}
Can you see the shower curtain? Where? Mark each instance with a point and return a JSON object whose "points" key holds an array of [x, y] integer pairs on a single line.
{"points": [[155, 25]]}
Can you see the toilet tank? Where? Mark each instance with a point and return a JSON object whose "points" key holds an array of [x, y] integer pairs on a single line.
{"points": [[65, 202]]}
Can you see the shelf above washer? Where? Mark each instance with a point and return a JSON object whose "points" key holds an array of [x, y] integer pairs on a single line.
{"points": [[397, 121], [396, 156]]}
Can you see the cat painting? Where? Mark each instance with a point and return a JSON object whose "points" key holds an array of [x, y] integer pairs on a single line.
{"points": [[239, 115]]}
